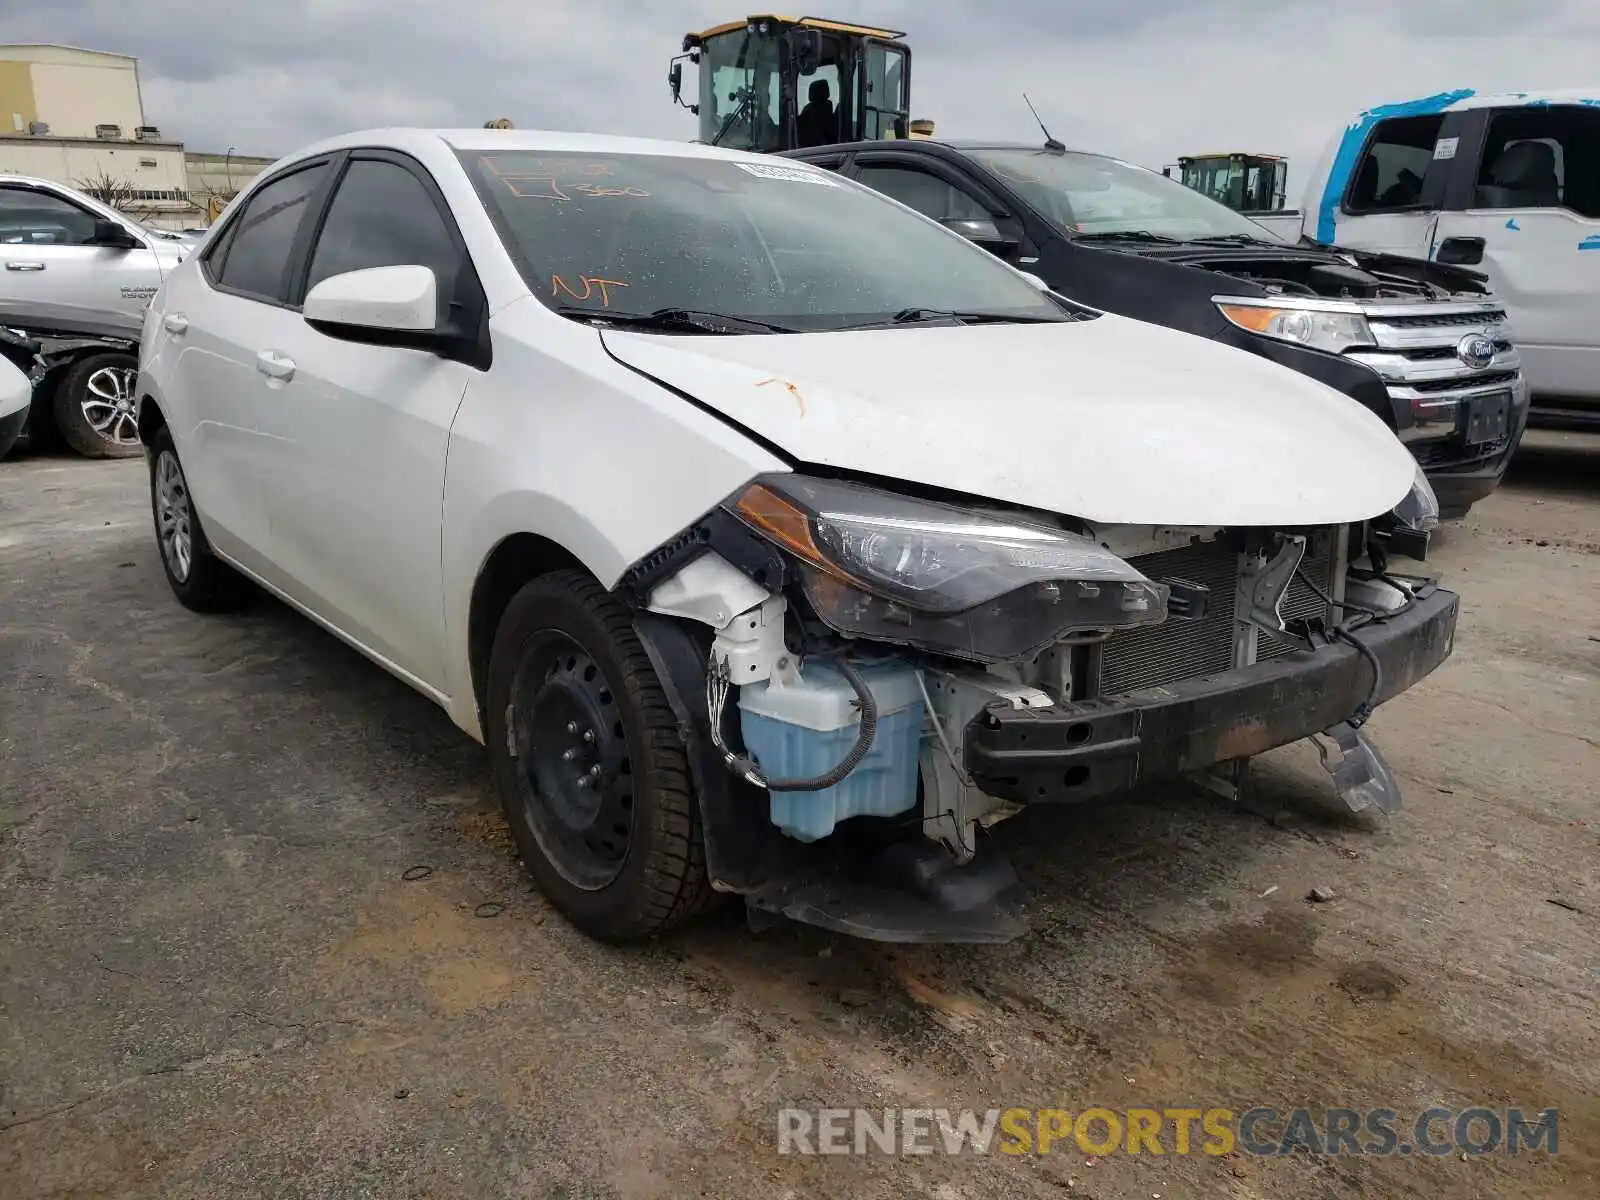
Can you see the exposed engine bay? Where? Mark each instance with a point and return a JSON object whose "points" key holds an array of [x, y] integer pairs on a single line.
{"points": [[859, 673], [1333, 274]]}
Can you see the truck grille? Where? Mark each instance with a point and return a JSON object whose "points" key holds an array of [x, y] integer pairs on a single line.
{"points": [[1177, 650], [1416, 357]]}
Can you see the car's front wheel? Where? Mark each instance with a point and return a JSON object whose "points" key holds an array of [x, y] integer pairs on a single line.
{"points": [[199, 579], [95, 405], [589, 762]]}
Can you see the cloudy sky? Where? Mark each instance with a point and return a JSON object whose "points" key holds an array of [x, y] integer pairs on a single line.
{"points": [[1146, 80]]}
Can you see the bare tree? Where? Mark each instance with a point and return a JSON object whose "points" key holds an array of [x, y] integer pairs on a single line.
{"points": [[111, 190], [115, 192]]}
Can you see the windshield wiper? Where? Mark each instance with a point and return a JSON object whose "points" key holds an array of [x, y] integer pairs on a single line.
{"points": [[917, 316], [1127, 235], [1234, 239], [678, 320]]}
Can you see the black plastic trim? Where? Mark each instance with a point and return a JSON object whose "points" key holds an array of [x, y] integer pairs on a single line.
{"points": [[1073, 752]]}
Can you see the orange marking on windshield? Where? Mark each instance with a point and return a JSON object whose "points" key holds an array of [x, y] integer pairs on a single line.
{"points": [[594, 189], [525, 187], [591, 285], [792, 390]]}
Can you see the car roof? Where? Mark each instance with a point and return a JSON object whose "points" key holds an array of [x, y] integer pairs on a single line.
{"points": [[401, 138], [959, 145], [1468, 98]]}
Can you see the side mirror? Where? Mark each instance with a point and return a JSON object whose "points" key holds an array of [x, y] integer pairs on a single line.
{"points": [[984, 232], [110, 234], [381, 306], [675, 81]]}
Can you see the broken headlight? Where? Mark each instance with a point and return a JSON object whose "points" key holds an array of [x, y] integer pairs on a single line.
{"points": [[1419, 511], [1305, 323], [987, 587]]}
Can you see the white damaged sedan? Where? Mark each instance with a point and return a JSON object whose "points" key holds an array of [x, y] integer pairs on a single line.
{"points": [[772, 538]]}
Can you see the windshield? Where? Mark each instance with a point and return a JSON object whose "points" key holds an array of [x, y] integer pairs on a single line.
{"points": [[739, 91], [1087, 193], [786, 244]]}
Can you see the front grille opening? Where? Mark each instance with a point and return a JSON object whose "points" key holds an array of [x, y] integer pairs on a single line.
{"points": [[1441, 320], [1477, 379], [1178, 650]]}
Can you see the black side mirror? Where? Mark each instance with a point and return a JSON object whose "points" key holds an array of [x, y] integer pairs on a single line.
{"points": [[807, 51], [675, 81], [984, 232], [110, 234]]}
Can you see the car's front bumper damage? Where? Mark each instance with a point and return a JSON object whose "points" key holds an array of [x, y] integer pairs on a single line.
{"points": [[1075, 751]]}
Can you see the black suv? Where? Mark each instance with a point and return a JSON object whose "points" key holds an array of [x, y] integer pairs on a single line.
{"points": [[1422, 344]]}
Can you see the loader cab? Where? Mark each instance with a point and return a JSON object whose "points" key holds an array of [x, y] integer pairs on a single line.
{"points": [[1246, 183], [770, 84]]}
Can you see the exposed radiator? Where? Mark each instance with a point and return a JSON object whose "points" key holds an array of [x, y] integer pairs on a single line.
{"points": [[1178, 650]]}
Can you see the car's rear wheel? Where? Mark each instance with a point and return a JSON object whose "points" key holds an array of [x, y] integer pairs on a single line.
{"points": [[96, 405], [199, 579], [11, 430], [589, 763]]}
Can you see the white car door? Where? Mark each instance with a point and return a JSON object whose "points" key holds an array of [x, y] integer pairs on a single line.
{"points": [[1386, 201], [216, 320], [358, 433], [50, 255], [1533, 226]]}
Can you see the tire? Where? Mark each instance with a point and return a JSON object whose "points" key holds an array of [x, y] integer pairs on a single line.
{"points": [[199, 579], [102, 384], [11, 430], [572, 695]]}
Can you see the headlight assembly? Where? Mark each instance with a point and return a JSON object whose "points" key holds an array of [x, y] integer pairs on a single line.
{"points": [[897, 569], [1419, 511], [1304, 324]]}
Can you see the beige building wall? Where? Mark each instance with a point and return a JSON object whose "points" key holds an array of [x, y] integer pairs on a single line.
{"points": [[72, 90], [156, 171]]}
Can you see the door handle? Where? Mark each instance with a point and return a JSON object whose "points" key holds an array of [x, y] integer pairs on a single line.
{"points": [[175, 323], [1460, 251], [24, 266], [274, 365]]}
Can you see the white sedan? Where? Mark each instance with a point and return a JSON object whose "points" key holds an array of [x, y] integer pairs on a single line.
{"points": [[739, 510]]}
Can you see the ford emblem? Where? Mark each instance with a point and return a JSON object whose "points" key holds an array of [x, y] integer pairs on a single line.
{"points": [[1476, 350]]}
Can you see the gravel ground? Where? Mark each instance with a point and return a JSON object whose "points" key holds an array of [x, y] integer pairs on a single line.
{"points": [[216, 980]]}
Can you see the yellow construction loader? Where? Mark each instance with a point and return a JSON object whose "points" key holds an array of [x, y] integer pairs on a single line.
{"points": [[769, 83]]}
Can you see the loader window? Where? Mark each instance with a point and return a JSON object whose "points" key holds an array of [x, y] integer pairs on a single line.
{"points": [[1389, 175], [1542, 158], [739, 75]]}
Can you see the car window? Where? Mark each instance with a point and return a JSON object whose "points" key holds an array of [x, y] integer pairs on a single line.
{"points": [[1392, 167], [777, 241], [383, 216], [1090, 193], [927, 193], [263, 235], [34, 218], [1546, 157]]}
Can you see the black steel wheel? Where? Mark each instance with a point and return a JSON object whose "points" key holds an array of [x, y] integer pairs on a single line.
{"points": [[589, 762], [575, 777]]}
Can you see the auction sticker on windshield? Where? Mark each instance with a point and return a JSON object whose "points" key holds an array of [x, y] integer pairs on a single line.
{"points": [[789, 174]]}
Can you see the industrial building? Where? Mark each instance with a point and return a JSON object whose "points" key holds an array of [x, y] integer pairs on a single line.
{"points": [[77, 116]]}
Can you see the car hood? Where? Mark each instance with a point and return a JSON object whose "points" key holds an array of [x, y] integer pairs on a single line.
{"points": [[1110, 420]]}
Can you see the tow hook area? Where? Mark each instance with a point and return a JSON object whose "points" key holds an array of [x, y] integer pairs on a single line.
{"points": [[1360, 773]]}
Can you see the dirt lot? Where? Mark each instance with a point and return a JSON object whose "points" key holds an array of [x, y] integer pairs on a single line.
{"points": [[216, 980]]}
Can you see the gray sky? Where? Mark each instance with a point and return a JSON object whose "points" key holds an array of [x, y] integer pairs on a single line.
{"points": [[1145, 81]]}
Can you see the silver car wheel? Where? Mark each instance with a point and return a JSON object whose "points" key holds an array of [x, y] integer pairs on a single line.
{"points": [[172, 516], [109, 407]]}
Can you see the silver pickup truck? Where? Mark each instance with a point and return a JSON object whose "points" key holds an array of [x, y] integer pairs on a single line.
{"points": [[64, 252]]}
